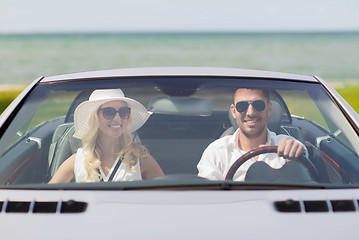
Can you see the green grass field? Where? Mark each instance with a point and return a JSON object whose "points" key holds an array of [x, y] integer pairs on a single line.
{"points": [[350, 93], [7, 96]]}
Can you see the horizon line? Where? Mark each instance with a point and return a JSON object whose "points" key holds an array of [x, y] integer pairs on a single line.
{"points": [[178, 32]]}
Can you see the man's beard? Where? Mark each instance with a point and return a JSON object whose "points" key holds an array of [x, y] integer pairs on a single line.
{"points": [[252, 134]]}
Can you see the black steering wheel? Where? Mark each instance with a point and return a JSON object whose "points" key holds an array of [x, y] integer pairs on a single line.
{"points": [[268, 149]]}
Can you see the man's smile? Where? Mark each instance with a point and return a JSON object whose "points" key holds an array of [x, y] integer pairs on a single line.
{"points": [[251, 121]]}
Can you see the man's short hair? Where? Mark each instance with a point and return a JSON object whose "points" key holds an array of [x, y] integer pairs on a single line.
{"points": [[264, 91]]}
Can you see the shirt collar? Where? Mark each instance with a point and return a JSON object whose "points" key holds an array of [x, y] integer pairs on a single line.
{"points": [[233, 139]]}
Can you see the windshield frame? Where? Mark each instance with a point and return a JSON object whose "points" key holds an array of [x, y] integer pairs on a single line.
{"points": [[167, 85]]}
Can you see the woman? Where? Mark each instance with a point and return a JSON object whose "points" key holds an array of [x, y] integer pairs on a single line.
{"points": [[104, 123]]}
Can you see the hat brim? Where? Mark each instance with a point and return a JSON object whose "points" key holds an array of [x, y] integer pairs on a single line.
{"points": [[84, 110]]}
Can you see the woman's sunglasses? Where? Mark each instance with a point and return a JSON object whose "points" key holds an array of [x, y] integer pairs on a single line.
{"points": [[258, 105], [109, 112]]}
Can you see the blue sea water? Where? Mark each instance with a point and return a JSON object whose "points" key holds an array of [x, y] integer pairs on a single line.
{"points": [[333, 56]]}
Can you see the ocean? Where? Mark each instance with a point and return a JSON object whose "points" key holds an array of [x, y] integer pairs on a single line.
{"points": [[333, 56]]}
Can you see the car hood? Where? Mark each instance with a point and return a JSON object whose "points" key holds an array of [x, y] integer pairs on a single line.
{"points": [[180, 214]]}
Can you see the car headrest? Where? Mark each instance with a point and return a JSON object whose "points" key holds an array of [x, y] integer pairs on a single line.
{"points": [[180, 106], [275, 119]]}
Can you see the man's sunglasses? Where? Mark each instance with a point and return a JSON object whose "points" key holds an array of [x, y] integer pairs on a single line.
{"points": [[109, 112], [258, 105]]}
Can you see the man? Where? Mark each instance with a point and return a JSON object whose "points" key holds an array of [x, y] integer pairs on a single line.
{"points": [[251, 110]]}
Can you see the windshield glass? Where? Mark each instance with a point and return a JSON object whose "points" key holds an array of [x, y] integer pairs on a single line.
{"points": [[178, 129]]}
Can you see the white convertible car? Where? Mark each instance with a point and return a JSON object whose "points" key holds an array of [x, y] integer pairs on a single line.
{"points": [[190, 108]]}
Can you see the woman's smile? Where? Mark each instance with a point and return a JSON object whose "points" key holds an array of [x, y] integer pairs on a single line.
{"points": [[115, 126]]}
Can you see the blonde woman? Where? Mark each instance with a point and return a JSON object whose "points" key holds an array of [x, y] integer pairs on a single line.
{"points": [[104, 123]]}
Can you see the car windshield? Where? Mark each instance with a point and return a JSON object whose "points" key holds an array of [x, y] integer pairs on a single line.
{"points": [[187, 115]]}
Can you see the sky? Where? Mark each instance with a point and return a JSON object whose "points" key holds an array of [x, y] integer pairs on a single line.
{"points": [[42, 16]]}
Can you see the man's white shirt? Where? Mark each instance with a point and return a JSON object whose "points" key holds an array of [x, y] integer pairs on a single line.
{"points": [[220, 155]]}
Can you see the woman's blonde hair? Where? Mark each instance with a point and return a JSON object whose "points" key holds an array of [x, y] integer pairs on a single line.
{"points": [[130, 152]]}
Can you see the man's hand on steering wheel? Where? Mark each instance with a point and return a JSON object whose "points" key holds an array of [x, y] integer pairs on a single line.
{"points": [[290, 149], [268, 149]]}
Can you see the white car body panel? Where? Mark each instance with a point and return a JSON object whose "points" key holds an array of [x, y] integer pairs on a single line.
{"points": [[179, 71], [185, 215]]}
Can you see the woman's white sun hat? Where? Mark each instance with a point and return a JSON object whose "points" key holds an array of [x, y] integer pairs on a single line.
{"points": [[97, 98]]}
